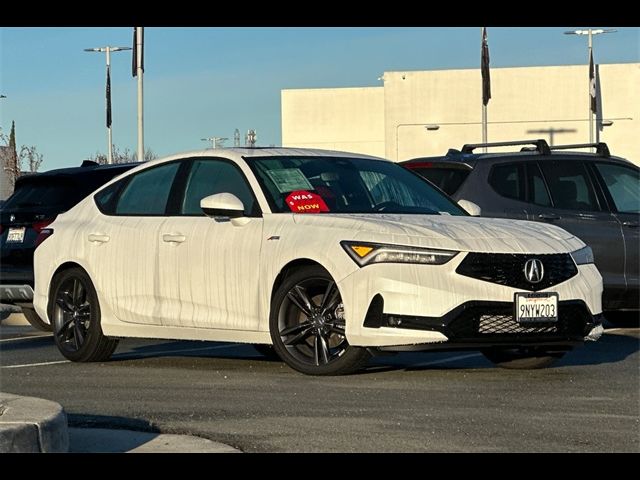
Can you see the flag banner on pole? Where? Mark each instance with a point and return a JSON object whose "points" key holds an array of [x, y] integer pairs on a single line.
{"points": [[134, 62], [108, 98], [484, 68], [592, 84]]}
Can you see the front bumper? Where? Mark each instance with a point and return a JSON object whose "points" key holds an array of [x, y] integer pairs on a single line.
{"points": [[482, 324], [440, 294]]}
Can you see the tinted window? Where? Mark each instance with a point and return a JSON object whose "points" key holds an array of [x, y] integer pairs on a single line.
{"points": [[623, 184], [569, 185], [147, 192], [537, 189], [447, 179], [346, 185], [44, 191], [208, 177], [508, 181]]}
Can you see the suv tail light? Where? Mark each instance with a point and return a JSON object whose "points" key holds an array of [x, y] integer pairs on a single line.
{"points": [[43, 234], [41, 225]]}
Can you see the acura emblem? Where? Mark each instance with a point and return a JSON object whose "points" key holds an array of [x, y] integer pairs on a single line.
{"points": [[12, 217], [533, 270]]}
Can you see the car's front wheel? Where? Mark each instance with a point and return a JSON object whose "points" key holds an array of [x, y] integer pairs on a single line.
{"points": [[308, 327], [75, 314], [522, 358]]}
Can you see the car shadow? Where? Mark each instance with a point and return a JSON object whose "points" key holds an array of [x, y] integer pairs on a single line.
{"points": [[183, 348], [610, 348]]}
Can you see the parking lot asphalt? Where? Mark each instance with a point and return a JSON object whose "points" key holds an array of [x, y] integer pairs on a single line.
{"points": [[410, 402]]}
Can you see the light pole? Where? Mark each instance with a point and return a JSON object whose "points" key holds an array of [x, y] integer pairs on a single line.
{"points": [[108, 50], [590, 33], [216, 142]]}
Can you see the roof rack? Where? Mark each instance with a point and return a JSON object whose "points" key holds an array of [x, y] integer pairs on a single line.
{"points": [[540, 145], [601, 148]]}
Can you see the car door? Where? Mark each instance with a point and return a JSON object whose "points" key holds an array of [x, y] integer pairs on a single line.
{"points": [[211, 265], [578, 209], [123, 243], [622, 187]]}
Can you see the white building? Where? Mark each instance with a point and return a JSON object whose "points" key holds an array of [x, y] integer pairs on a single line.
{"points": [[527, 102]]}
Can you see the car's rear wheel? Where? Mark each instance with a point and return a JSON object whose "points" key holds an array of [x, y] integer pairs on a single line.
{"points": [[34, 319], [75, 314], [308, 327], [523, 357]]}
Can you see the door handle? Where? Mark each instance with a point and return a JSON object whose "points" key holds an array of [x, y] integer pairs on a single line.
{"points": [[98, 238], [173, 237], [549, 216], [630, 224]]}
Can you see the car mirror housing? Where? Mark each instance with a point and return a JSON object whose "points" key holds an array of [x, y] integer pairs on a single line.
{"points": [[222, 205], [470, 207]]}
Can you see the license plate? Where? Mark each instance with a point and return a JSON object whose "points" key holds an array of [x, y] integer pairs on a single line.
{"points": [[536, 307], [15, 235]]}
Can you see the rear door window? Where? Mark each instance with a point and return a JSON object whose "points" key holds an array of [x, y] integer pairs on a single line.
{"points": [[147, 192], [623, 184], [570, 186]]}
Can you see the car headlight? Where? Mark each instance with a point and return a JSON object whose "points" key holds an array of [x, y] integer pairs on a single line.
{"points": [[583, 256], [365, 253]]}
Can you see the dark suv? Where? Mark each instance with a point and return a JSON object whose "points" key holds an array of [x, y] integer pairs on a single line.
{"points": [[595, 196], [35, 203]]}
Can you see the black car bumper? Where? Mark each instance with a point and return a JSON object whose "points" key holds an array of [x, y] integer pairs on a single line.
{"points": [[16, 285], [487, 324]]}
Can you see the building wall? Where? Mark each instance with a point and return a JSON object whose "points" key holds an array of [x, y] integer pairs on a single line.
{"points": [[524, 101], [349, 119], [6, 188]]}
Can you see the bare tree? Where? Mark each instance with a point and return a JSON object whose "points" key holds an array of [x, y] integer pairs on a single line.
{"points": [[124, 156], [30, 158]]}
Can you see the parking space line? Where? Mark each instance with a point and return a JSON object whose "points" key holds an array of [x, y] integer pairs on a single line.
{"points": [[447, 360], [35, 364], [25, 338]]}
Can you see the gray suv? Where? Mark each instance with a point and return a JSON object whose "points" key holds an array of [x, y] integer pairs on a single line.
{"points": [[595, 196]]}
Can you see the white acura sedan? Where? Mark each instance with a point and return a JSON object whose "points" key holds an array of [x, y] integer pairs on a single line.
{"points": [[328, 256]]}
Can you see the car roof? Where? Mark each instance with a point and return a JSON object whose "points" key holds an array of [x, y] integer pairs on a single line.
{"points": [[239, 153], [471, 159], [78, 171]]}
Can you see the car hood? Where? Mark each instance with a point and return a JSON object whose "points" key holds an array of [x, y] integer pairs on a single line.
{"points": [[461, 233]]}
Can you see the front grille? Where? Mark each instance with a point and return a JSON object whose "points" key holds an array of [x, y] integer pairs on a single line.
{"points": [[497, 321], [508, 269], [504, 324]]}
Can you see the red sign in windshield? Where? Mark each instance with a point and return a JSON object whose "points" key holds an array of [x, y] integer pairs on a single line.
{"points": [[302, 201]]}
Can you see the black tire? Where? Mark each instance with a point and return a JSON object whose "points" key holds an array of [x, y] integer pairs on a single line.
{"points": [[75, 314], [306, 328], [266, 351], [623, 319], [522, 358], [36, 322]]}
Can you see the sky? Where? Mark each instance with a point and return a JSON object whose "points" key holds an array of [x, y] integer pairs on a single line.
{"points": [[203, 82]]}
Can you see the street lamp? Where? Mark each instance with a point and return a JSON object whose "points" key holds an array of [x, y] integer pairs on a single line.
{"points": [[216, 142], [590, 33], [108, 50]]}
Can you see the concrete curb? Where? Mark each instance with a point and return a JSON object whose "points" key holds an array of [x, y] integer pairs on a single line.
{"points": [[31, 425]]}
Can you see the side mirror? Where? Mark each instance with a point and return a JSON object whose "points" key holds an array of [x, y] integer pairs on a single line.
{"points": [[222, 205], [470, 207]]}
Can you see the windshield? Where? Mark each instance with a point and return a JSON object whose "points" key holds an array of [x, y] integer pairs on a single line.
{"points": [[346, 185]]}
